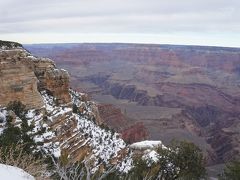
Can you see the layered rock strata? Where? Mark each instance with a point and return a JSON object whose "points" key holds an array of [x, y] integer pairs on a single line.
{"points": [[22, 76]]}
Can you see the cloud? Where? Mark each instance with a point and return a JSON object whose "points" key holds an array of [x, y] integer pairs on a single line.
{"points": [[120, 17]]}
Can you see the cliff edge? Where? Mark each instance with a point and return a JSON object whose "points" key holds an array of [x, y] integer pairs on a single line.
{"points": [[22, 76]]}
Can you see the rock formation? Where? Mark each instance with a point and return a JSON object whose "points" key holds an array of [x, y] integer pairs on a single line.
{"points": [[58, 127], [135, 133], [18, 81], [113, 117], [22, 76], [55, 81]]}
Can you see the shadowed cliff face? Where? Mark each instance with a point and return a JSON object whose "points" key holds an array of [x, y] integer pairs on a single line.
{"points": [[186, 92]]}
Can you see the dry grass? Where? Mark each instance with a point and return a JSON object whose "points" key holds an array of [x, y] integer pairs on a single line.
{"points": [[15, 156]]}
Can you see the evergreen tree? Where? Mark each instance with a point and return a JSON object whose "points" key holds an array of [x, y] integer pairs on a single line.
{"points": [[12, 135], [142, 170], [183, 160], [231, 171], [189, 158], [75, 109]]}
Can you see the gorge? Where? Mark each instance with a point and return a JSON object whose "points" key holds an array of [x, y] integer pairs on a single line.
{"points": [[176, 92]]}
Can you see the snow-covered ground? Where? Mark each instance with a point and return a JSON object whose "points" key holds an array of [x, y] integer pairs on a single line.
{"points": [[13, 173]]}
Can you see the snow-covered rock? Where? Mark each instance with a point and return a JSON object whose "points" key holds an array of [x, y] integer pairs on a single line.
{"points": [[151, 156], [13, 173], [143, 145], [2, 117], [62, 129]]}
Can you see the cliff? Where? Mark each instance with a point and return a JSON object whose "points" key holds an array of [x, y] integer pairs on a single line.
{"points": [[22, 76], [17, 80], [44, 89]]}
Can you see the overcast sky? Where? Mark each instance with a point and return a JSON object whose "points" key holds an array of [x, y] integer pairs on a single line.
{"points": [[202, 22]]}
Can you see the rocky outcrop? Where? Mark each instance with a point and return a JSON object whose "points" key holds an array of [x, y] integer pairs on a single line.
{"points": [[115, 119], [112, 116], [17, 81], [135, 133], [22, 76], [55, 81]]}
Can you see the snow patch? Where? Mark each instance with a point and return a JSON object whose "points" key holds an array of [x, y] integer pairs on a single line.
{"points": [[14, 173], [151, 156], [147, 145]]}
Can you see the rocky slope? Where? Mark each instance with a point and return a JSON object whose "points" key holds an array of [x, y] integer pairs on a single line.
{"points": [[189, 92], [23, 76], [37, 83]]}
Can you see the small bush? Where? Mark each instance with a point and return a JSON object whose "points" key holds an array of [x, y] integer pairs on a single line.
{"points": [[18, 108], [75, 109]]}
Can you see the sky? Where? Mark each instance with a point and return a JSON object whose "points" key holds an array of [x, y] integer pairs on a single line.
{"points": [[196, 22]]}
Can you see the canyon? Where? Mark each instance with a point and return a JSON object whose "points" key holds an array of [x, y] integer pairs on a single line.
{"points": [[160, 91]]}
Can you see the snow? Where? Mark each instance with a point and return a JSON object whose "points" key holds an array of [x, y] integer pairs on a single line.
{"points": [[76, 96], [127, 164], [151, 156], [3, 47], [7, 49], [2, 117], [105, 144], [13, 173], [3, 114], [147, 145]]}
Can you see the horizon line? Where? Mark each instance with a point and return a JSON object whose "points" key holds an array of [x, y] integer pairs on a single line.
{"points": [[133, 43]]}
